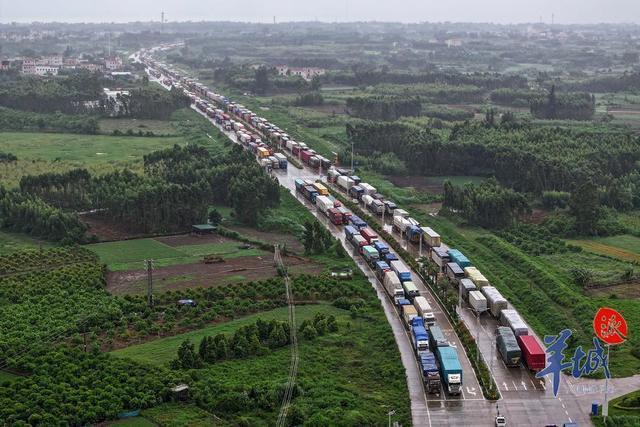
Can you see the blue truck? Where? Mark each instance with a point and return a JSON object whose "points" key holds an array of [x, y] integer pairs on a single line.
{"points": [[413, 233], [350, 231], [403, 272], [381, 268], [450, 369], [357, 222], [381, 248], [402, 301], [390, 257], [430, 372], [420, 339], [356, 192], [458, 257], [310, 193]]}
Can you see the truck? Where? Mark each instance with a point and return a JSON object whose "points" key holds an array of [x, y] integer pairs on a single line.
{"points": [[414, 233], [430, 373], [345, 183], [376, 207], [457, 257], [282, 160], [390, 257], [533, 354], [358, 242], [476, 277], [437, 337], [454, 272], [299, 183], [366, 200], [335, 216], [400, 223], [401, 212], [346, 214], [324, 204], [430, 237], [310, 193], [424, 310], [357, 222], [507, 346], [381, 268], [512, 319], [420, 339], [439, 256], [389, 207], [393, 286], [401, 302], [322, 190], [369, 234], [403, 272], [410, 290], [356, 179], [495, 301], [350, 231], [450, 369], [408, 313], [368, 189], [381, 248], [370, 255], [356, 192], [466, 286], [477, 302]]}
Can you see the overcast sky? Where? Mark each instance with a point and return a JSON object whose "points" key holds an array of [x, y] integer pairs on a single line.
{"points": [[501, 11]]}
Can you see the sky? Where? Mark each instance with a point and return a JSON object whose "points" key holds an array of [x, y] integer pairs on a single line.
{"points": [[498, 11]]}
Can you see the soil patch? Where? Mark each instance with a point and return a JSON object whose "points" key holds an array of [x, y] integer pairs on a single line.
{"points": [[630, 289], [108, 231], [537, 216], [292, 243], [193, 239], [205, 275]]}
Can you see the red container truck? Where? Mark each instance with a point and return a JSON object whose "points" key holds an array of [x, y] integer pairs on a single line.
{"points": [[369, 235], [335, 216], [533, 354], [306, 155]]}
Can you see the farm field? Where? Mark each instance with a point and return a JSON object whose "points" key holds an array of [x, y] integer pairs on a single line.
{"points": [[46, 152], [625, 246], [162, 351], [431, 184], [179, 415], [132, 422], [158, 127], [11, 242]]}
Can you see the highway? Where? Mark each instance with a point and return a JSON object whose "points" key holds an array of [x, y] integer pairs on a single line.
{"points": [[526, 401]]}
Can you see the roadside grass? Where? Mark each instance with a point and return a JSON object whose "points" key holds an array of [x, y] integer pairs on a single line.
{"points": [[133, 422], [130, 254], [618, 408], [40, 153], [400, 195], [288, 217], [11, 242], [158, 127], [181, 415], [162, 351], [605, 269], [624, 247]]}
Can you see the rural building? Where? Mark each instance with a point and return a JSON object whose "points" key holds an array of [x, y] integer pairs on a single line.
{"points": [[46, 70], [306, 73], [28, 66], [113, 63], [203, 229]]}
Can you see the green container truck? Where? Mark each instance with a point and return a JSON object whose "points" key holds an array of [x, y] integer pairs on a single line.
{"points": [[508, 346]]}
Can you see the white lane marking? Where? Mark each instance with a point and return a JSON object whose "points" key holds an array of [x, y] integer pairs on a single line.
{"points": [[564, 407], [532, 383], [524, 385], [543, 386], [514, 385], [471, 390], [505, 386]]}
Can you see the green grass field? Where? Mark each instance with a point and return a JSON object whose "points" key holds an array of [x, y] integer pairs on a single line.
{"points": [[46, 152], [11, 242], [617, 408], [133, 422], [158, 127], [180, 415], [130, 254], [162, 351], [624, 247]]}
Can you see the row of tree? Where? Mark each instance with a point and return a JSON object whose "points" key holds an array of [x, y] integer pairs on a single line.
{"points": [[571, 105], [16, 120], [383, 107]]}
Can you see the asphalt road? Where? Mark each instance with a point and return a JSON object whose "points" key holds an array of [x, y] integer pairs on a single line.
{"points": [[526, 401]]}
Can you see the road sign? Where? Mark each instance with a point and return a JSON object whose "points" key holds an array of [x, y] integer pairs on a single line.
{"points": [[610, 326]]}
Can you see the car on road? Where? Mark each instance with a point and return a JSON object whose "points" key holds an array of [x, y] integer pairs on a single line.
{"points": [[501, 421]]}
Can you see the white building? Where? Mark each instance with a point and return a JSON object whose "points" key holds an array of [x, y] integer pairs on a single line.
{"points": [[113, 63], [46, 70], [306, 73]]}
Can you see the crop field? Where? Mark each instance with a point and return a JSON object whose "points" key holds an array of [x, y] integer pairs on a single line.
{"points": [[158, 127], [178, 414], [42, 152], [160, 352], [624, 247], [11, 242]]}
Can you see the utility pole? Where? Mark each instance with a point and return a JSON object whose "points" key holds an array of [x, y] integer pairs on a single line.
{"points": [[148, 263], [393, 411], [109, 45], [478, 335], [352, 170], [162, 21]]}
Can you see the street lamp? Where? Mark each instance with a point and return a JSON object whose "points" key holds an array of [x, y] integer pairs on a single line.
{"points": [[393, 411]]}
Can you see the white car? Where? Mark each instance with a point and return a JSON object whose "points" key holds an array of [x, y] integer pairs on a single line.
{"points": [[501, 421]]}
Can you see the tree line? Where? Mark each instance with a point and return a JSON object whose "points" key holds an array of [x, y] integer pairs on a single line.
{"points": [[385, 108], [571, 105], [16, 120]]}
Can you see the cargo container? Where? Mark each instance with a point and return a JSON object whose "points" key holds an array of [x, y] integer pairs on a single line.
{"points": [[420, 339], [533, 355], [262, 152], [430, 237], [512, 319], [346, 214], [282, 160], [437, 337], [401, 224], [350, 231], [376, 207], [393, 286], [466, 286], [424, 310], [325, 163], [408, 313], [314, 162], [357, 222], [322, 190], [368, 189], [390, 257], [402, 302], [299, 184], [359, 242], [356, 192], [440, 257], [477, 302], [366, 199], [381, 268], [403, 272], [370, 255], [430, 373], [476, 277], [378, 196], [335, 216], [310, 193], [381, 248], [356, 179], [324, 204], [305, 155], [454, 272], [507, 346], [345, 182], [414, 233], [457, 257], [389, 207], [369, 234], [400, 212], [450, 369], [332, 175], [495, 301], [410, 289]]}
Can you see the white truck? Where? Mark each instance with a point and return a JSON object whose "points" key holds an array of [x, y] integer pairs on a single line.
{"points": [[424, 310], [408, 313], [400, 223], [495, 301], [366, 199], [345, 182], [324, 204], [476, 277], [477, 302], [393, 286], [512, 319], [400, 212], [430, 237], [369, 190]]}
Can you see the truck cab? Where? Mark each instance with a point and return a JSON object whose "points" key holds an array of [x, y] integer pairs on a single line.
{"points": [[420, 339]]}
